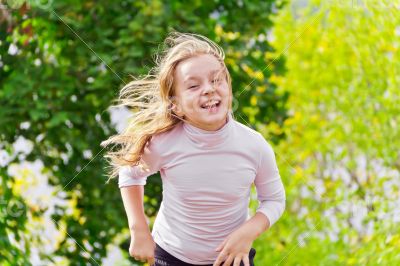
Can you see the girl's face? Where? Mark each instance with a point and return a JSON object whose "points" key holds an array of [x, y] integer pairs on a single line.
{"points": [[202, 93]]}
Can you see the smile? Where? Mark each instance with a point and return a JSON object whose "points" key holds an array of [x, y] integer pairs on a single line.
{"points": [[211, 104]]}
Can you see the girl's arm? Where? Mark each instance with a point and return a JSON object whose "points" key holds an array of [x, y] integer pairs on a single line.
{"points": [[132, 197], [272, 202], [131, 182], [142, 244], [270, 189]]}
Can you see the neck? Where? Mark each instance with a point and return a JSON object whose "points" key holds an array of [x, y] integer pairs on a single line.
{"points": [[206, 138], [213, 127]]}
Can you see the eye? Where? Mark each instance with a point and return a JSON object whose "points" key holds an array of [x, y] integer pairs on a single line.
{"points": [[194, 86], [216, 80]]}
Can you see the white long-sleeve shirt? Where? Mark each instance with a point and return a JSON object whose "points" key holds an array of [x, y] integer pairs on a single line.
{"points": [[207, 178]]}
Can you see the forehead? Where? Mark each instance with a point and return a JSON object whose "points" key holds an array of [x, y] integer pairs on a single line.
{"points": [[197, 66]]}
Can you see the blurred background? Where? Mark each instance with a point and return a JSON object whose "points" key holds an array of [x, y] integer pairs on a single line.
{"points": [[319, 79]]}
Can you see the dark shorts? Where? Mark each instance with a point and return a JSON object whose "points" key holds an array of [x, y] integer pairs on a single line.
{"points": [[163, 258]]}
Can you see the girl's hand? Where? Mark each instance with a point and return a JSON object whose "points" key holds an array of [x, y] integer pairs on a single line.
{"points": [[142, 246], [235, 248]]}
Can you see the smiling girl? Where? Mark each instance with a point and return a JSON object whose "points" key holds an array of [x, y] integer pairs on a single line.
{"points": [[184, 128]]}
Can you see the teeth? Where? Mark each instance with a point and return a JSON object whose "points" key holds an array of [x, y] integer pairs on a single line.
{"points": [[210, 104]]}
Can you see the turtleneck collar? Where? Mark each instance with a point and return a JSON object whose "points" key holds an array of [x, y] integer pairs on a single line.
{"points": [[209, 138]]}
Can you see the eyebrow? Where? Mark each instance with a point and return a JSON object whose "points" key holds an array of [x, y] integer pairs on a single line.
{"points": [[194, 77]]}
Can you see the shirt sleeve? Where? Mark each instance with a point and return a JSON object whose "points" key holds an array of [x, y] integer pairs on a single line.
{"points": [[270, 190], [137, 174]]}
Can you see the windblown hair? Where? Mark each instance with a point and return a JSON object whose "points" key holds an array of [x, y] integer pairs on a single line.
{"points": [[151, 98]]}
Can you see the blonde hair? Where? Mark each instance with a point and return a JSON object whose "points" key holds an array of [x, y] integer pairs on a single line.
{"points": [[150, 99]]}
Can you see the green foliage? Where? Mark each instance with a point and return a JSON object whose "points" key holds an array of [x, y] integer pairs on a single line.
{"points": [[66, 63], [340, 160]]}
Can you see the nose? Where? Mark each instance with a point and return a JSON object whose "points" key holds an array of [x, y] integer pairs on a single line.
{"points": [[209, 89]]}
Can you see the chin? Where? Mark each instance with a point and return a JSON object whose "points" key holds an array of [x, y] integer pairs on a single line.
{"points": [[214, 117]]}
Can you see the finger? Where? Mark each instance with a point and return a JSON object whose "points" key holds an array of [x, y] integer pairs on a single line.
{"points": [[219, 259], [134, 255], [228, 261], [150, 261], [246, 261], [237, 261], [139, 259]]}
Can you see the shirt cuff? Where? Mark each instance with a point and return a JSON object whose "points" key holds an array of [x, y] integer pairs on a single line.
{"points": [[273, 211]]}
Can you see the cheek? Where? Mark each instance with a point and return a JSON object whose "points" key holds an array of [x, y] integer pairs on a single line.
{"points": [[189, 102], [225, 91]]}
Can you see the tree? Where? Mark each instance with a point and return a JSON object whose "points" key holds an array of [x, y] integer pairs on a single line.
{"points": [[340, 159], [62, 64]]}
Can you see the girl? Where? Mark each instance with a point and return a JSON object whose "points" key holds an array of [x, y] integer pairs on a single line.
{"points": [[184, 128]]}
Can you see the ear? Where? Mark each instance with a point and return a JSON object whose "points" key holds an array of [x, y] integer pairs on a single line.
{"points": [[176, 108]]}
